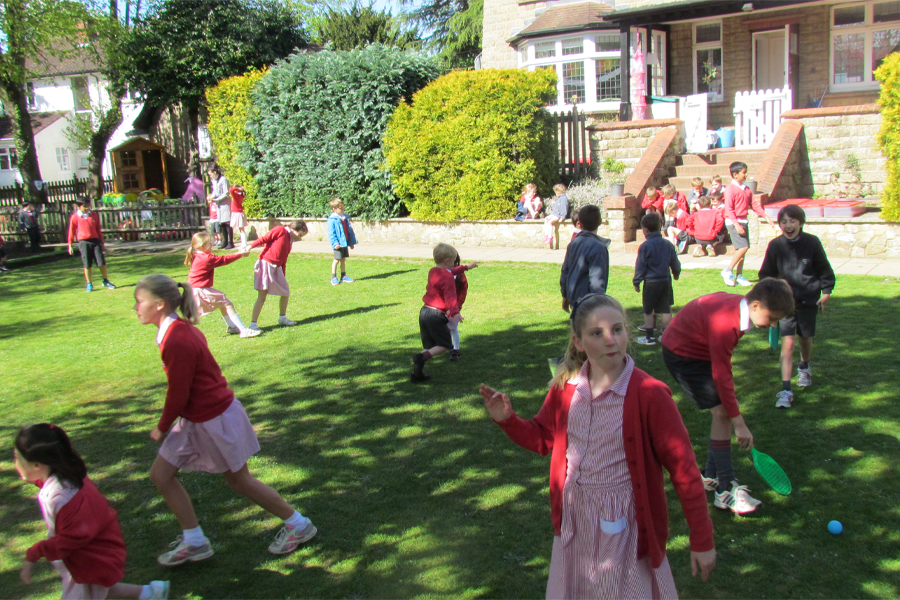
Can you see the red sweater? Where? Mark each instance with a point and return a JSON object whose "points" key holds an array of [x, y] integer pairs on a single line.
{"points": [[85, 228], [197, 389], [681, 200], [708, 328], [706, 223], [655, 438], [278, 244], [656, 203], [440, 292], [682, 219], [201, 275], [88, 539], [738, 201], [237, 199], [462, 284]]}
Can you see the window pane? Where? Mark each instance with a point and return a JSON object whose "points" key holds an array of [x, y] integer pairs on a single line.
{"points": [[609, 79], [573, 46], [850, 15], [4, 160], [80, 93], [709, 33], [607, 43], [849, 58], [709, 71], [573, 82], [13, 158], [129, 158], [887, 11], [545, 50], [884, 43], [62, 158]]}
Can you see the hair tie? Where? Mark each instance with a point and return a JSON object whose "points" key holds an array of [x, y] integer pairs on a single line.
{"points": [[579, 302], [52, 426], [179, 284]]}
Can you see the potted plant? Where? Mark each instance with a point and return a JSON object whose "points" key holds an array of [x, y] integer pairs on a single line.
{"points": [[612, 172]]}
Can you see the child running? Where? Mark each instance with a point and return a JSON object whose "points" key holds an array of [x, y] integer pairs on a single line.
{"points": [[798, 258], [203, 427], [270, 267], [657, 264], [342, 239], [440, 305], [203, 263], [611, 429], [697, 349], [84, 540], [462, 289]]}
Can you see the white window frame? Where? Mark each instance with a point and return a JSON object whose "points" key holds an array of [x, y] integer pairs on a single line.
{"points": [[63, 162], [11, 157], [703, 47], [868, 29]]}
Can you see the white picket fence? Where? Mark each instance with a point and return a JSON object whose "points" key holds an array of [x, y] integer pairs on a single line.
{"points": [[757, 116]]}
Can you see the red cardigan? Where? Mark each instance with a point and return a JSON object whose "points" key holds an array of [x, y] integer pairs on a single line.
{"points": [[440, 292], [88, 539], [655, 438], [706, 223], [462, 284], [201, 275], [84, 228], [197, 389], [708, 328], [278, 244]]}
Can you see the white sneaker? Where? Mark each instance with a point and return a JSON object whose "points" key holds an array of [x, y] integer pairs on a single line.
{"points": [[254, 327], [159, 590], [233, 330], [710, 484], [247, 332], [741, 280], [646, 341], [785, 399], [738, 500], [805, 377], [289, 539], [182, 552], [285, 322], [728, 276]]}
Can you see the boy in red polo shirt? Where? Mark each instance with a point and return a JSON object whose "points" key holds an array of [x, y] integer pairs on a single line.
{"points": [[738, 200], [84, 228], [697, 349]]}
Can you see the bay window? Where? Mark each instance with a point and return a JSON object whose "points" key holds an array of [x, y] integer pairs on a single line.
{"points": [[862, 35]]}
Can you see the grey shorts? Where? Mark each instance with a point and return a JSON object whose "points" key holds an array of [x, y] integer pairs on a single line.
{"points": [[91, 251], [738, 240], [342, 252], [802, 323]]}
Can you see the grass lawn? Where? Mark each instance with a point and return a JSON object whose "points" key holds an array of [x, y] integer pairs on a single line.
{"points": [[415, 492]]}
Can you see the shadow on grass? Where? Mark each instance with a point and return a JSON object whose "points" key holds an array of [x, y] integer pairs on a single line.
{"points": [[386, 275], [345, 313]]}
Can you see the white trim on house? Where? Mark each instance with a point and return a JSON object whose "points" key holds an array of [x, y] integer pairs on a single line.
{"points": [[711, 52], [860, 29]]}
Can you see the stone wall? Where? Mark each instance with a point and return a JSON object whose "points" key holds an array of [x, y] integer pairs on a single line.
{"points": [[867, 235], [501, 19], [626, 141]]}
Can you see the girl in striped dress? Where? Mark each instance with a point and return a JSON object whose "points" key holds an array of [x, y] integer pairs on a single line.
{"points": [[610, 429]]}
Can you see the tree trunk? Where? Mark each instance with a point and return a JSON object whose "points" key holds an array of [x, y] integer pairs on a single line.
{"points": [[110, 121], [17, 105]]}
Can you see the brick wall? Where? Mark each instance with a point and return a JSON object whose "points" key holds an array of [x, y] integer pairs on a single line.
{"points": [[501, 18], [626, 141]]}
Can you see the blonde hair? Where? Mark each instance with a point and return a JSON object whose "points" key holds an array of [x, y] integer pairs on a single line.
{"points": [[443, 252], [529, 187], [336, 203], [573, 360], [650, 191], [716, 179], [696, 181], [198, 242], [671, 207], [668, 190], [166, 289], [560, 188]]}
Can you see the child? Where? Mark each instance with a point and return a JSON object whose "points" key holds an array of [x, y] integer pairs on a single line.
{"points": [[653, 200], [84, 228], [559, 211], [697, 190], [611, 429], [586, 266], [677, 221], [704, 227], [462, 289], [84, 540], [28, 222], [576, 225], [214, 221], [341, 235], [203, 427], [238, 219], [3, 256], [738, 199], [656, 258], [715, 187], [270, 267], [669, 193], [202, 262], [440, 306], [697, 349], [219, 195], [798, 258], [531, 202]]}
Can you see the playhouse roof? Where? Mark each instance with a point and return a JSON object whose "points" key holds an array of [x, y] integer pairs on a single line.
{"points": [[138, 143]]}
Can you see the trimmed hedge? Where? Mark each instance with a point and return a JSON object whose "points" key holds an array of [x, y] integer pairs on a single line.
{"points": [[889, 136], [229, 106], [317, 123], [470, 142]]}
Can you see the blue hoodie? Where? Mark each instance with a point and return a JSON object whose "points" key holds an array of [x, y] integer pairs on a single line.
{"points": [[336, 232]]}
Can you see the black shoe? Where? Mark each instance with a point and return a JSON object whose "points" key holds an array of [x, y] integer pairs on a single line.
{"points": [[419, 377], [229, 247], [455, 354]]}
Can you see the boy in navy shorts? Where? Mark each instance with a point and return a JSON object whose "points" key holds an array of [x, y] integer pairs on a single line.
{"points": [[440, 306], [798, 258], [84, 228], [697, 349], [656, 258]]}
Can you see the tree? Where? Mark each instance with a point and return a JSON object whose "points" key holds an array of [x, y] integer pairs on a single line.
{"points": [[31, 29], [358, 26], [455, 27]]}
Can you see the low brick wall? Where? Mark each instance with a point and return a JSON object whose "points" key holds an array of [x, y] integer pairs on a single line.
{"points": [[626, 141]]}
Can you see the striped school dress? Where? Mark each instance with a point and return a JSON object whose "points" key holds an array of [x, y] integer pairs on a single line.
{"points": [[596, 554]]}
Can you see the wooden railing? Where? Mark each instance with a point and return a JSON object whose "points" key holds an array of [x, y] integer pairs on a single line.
{"points": [[57, 191]]}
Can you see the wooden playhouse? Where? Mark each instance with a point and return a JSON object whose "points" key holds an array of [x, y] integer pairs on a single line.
{"points": [[139, 165]]}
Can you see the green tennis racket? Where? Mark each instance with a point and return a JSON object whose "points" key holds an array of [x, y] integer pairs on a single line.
{"points": [[774, 336], [771, 473], [553, 362]]}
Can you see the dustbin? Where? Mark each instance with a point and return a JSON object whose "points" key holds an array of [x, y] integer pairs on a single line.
{"points": [[726, 137]]}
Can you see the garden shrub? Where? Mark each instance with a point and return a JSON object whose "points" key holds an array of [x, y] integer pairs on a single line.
{"points": [[588, 191], [229, 104], [889, 136], [316, 124], [470, 141]]}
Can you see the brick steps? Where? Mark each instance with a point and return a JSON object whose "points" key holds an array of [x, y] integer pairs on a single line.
{"points": [[721, 249], [708, 171], [720, 157]]}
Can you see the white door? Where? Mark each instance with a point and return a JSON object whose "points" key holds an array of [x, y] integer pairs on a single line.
{"points": [[692, 110], [769, 60]]}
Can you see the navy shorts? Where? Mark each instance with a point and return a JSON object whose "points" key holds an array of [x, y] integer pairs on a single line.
{"points": [[658, 297], [433, 328], [91, 251], [342, 252], [695, 378], [802, 323]]}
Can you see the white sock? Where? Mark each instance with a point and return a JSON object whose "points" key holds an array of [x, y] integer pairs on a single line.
{"points": [[237, 321], [243, 238], [193, 537], [146, 592], [296, 520], [253, 324], [228, 321], [454, 335]]}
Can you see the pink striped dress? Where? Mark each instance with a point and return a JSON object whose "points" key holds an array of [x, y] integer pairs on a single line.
{"points": [[596, 554]]}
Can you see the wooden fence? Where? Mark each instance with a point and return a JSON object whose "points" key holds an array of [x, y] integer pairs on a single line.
{"points": [[57, 191], [574, 149], [127, 223]]}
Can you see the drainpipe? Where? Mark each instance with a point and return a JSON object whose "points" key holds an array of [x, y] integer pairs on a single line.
{"points": [[625, 73]]}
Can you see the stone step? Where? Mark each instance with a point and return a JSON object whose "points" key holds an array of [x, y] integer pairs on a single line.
{"points": [[708, 171], [721, 157], [721, 249]]}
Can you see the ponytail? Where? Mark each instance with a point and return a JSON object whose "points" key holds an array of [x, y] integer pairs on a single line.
{"points": [[198, 242], [188, 305], [167, 289], [570, 366], [49, 445]]}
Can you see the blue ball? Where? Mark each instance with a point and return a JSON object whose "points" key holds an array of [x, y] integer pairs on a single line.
{"points": [[835, 527]]}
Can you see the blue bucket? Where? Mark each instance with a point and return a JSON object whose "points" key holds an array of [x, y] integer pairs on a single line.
{"points": [[726, 138]]}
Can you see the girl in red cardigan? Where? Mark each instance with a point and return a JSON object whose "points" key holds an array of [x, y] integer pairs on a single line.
{"points": [[610, 429], [84, 540], [202, 262], [270, 267], [203, 426]]}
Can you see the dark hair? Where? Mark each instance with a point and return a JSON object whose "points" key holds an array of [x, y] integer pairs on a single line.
{"points": [[589, 216], [704, 201], [575, 220], [773, 294], [49, 445], [82, 201], [736, 167], [299, 226], [215, 169], [650, 222], [166, 289], [793, 211]]}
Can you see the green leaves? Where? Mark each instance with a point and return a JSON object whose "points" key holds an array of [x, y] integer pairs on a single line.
{"points": [[889, 136]]}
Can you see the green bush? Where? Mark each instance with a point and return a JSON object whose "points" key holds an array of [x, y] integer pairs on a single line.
{"points": [[316, 123], [229, 104], [889, 136], [470, 142]]}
